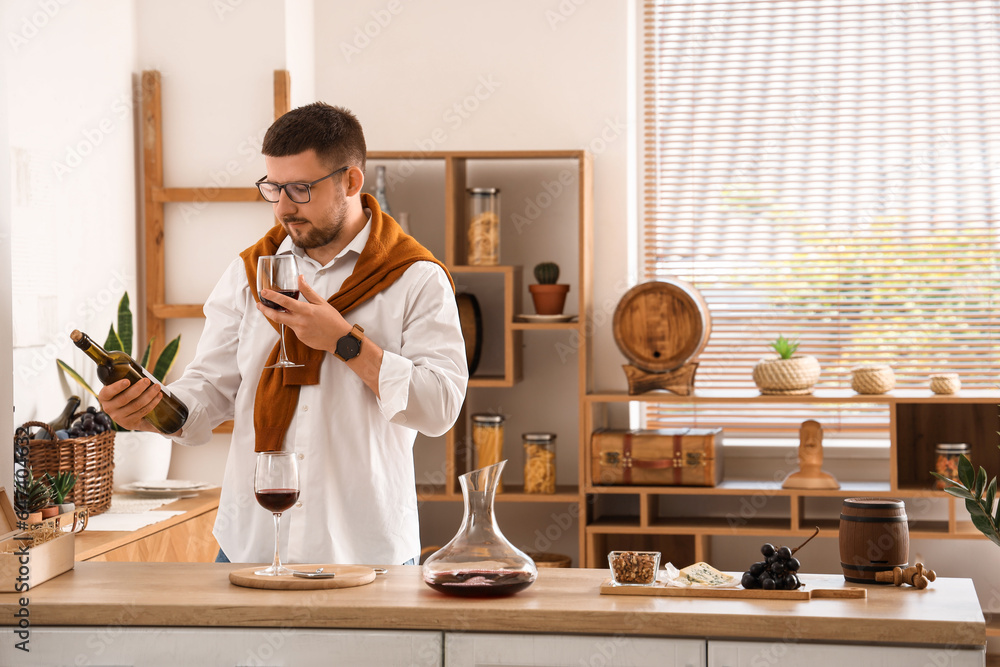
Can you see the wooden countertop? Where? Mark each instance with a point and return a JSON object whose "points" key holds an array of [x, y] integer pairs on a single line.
{"points": [[91, 543], [560, 601]]}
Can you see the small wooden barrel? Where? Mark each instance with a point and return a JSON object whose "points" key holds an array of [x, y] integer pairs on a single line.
{"points": [[662, 325], [874, 537]]}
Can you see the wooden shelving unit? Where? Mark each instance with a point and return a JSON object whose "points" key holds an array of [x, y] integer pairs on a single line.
{"points": [[917, 421], [509, 279]]}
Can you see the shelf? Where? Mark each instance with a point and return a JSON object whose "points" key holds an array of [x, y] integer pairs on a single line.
{"points": [[919, 530], [820, 396], [547, 326], [992, 628], [744, 487], [627, 525], [478, 155], [512, 493]]}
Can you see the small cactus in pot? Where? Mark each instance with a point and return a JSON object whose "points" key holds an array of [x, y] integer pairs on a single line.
{"points": [[549, 298], [547, 273]]}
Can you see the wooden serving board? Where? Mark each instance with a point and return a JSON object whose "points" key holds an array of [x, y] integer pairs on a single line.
{"points": [[347, 576], [607, 588]]}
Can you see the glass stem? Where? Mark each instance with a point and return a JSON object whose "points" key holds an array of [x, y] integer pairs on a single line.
{"points": [[282, 358], [277, 556]]}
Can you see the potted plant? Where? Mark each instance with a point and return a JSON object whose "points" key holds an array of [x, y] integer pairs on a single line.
{"points": [[60, 486], [549, 297], [786, 372], [978, 494], [138, 455], [31, 497]]}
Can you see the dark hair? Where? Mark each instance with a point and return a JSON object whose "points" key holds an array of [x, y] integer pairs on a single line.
{"points": [[333, 132]]}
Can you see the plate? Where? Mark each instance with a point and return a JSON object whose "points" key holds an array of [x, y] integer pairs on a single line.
{"points": [[540, 319], [166, 485]]}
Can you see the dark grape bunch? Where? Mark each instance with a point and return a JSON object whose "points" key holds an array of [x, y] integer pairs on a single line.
{"points": [[90, 423], [778, 571]]}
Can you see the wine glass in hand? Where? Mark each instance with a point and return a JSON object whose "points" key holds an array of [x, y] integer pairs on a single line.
{"points": [[279, 273], [276, 486]]}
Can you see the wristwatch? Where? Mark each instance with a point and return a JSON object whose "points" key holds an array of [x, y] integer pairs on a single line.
{"points": [[349, 346]]}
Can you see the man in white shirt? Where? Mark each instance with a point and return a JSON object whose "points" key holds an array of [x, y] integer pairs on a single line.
{"points": [[386, 362]]}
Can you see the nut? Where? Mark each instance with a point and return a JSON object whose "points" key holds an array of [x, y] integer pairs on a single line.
{"points": [[630, 567]]}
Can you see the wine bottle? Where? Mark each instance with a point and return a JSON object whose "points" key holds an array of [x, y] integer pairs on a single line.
{"points": [[169, 414], [380, 197], [62, 422]]}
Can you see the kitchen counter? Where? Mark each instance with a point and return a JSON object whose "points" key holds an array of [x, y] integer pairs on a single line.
{"points": [[560, 601]]}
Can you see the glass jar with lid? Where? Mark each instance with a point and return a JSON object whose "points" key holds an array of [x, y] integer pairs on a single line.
{"points": [[487, 439], [539, 462], [947, 455], [484, 226]]}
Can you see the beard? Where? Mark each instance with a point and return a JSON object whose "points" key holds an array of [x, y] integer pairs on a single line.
{"points": [[321, 233]]}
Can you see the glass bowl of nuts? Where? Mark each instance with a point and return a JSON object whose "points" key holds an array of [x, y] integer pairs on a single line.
{"points": [[634, 568]]}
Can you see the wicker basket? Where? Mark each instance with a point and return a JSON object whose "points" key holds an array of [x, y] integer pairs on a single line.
{"points": [[946, 383], [873, 379], [91, 459], [795, 376]]}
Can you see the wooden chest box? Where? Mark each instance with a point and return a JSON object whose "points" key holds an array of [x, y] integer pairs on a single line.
{"points": [[22, 570], [663, 457]]}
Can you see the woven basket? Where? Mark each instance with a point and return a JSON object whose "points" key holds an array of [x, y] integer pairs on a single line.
{"points": [[873, 379], [795, 376], [946, 383], [91, 459]]}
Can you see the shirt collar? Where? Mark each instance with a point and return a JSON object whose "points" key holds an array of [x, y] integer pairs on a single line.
{"points": [[357, 244]]}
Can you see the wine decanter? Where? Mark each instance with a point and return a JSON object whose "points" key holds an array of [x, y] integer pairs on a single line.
{"points": [[479, 561]]}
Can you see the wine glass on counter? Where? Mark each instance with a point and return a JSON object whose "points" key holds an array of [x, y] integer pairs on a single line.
{"points": [[276, 487], [279, 273]]}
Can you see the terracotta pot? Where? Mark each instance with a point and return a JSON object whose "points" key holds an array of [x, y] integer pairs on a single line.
{"points": [[549, 299], [50, 511]]}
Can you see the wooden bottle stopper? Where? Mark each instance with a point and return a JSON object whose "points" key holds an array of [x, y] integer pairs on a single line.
{"points": [[915, 575]]}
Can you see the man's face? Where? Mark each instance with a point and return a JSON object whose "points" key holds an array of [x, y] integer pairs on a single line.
{"points": [[320, 221]]}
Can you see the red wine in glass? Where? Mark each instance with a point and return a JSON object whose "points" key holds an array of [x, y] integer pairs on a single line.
{"points": [[290, 293], [276, 487], [481, 583], [277, 500]]}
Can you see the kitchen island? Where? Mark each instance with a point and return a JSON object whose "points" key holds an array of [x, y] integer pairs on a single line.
{"points": [[189, 613]]}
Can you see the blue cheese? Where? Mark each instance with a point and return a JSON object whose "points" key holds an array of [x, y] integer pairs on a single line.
{"points": [[706, 575]]}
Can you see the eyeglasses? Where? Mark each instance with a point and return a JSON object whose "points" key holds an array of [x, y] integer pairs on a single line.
{"points": [[300, 193]]}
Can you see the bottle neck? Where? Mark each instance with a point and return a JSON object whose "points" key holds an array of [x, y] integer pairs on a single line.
{"points": [[92, 349]]}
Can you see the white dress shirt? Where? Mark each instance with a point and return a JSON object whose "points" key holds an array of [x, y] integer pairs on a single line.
{"points": [[358, 501]]}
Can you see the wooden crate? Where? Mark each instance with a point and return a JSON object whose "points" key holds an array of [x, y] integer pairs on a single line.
{"points": [[22, 570], [663, 457]]}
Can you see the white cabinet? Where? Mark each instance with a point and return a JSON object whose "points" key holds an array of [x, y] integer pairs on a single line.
{"points": [[271, 647], [790, 654], [498, 650]]}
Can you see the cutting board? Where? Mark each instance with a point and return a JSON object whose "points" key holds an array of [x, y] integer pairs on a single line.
{"points": [[607, 588], [347, 576]]}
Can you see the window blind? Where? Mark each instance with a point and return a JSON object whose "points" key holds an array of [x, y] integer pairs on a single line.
{"points": [[828, 170]]}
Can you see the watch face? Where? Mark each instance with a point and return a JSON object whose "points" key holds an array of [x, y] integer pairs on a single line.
{"points": [[348, 347]]}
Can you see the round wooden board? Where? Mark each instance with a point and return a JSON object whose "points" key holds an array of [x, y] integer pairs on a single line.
{"points": [[347, 576], [471, 319], [662, 325]]}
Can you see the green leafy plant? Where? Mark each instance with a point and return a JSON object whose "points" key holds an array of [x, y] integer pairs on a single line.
{"points": [[978, 494], [31, 495], [784, 347], [547, 273], [60, 485], [120, 339]]}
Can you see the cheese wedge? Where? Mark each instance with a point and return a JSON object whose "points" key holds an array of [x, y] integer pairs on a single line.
{"points": [[706, 575]]}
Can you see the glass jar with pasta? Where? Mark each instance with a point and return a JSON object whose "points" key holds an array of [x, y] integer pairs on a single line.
{"points": [[539, 462], [487, 438], [484, 226]]}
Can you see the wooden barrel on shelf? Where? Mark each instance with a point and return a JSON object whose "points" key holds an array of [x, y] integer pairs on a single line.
{"points": [[874, 537], [662, 325]]}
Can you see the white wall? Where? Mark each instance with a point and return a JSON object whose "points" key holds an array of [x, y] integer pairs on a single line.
{"points": [[68, 73], [6, 361]]}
